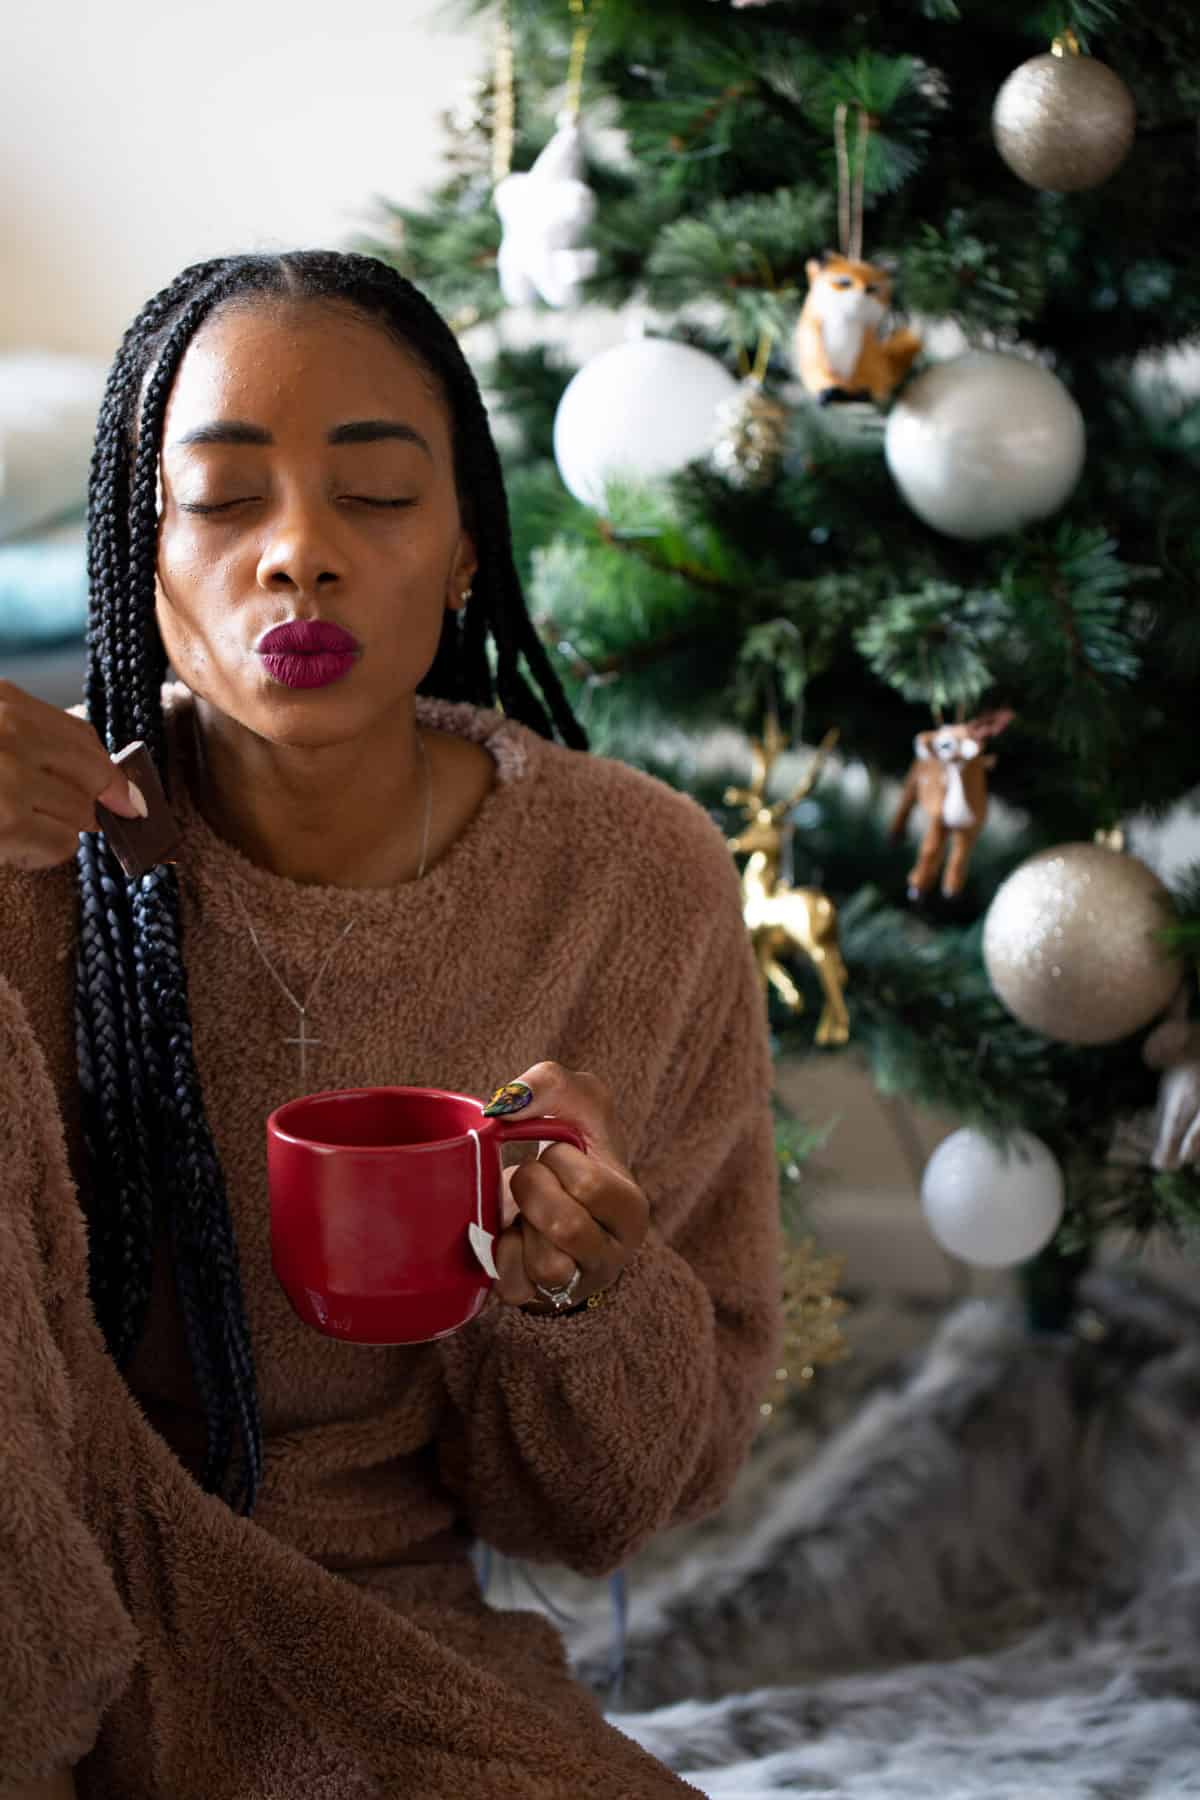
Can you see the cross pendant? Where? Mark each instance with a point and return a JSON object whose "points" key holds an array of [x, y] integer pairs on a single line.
{"points": [[303, 1043]]}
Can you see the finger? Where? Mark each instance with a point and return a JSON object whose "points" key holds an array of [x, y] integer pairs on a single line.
{"points": [[561, 1224], [548, 1090], [610, 1199], [545, 1264], [39, 736], [509, 1210], [512, 1283], [63, 801]]}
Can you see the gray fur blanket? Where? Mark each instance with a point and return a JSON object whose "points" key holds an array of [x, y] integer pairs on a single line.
{"points": [[983, 1584]]}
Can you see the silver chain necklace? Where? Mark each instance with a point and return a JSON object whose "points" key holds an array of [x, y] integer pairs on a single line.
{"points": [[302, 1041]]}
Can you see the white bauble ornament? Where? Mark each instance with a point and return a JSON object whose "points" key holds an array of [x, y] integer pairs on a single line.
{"points": [[640, 411], [992, 1205], [1070, 944], [546, 214], [985, 443]]}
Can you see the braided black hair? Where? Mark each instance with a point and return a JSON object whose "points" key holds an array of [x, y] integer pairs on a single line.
{"points": [[151, 1156]]}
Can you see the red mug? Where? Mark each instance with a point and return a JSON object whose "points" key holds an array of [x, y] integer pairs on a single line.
{"points": [[385, 1203]]}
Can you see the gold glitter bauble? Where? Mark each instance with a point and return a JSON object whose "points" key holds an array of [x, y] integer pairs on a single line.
{"points": [[753, 430], [1070, 947], [1063, 122]]}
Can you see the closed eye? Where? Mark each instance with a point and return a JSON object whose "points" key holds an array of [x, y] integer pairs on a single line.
{"points": [[195, 506], [370, 500]]}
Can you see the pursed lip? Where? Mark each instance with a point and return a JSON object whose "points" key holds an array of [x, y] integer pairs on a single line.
{"points": [[307, 637]]}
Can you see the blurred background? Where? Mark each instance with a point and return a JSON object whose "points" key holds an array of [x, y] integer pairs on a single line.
{"points": [[140, 137]]}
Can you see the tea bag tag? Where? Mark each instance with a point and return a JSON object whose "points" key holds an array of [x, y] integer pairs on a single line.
{"points": [[481, 1244]]}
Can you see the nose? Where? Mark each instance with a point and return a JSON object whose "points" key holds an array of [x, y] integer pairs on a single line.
{"points": [[301, 553]]}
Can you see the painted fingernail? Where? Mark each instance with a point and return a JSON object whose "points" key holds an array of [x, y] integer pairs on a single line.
{"points": [[513, 1097]]}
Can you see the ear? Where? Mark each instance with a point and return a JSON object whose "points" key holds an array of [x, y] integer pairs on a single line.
{"points": [[462, 573], [812, 268], [991, 724]]}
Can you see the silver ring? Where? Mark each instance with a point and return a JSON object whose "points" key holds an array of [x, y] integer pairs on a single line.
{"points": [[561, 1296]]}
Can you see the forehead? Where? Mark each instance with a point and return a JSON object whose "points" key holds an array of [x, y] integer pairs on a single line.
{"points": [[298, 368]]}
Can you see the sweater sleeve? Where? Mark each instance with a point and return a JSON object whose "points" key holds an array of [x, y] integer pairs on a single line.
{"points": [[575, 1440], [67, 1645]]}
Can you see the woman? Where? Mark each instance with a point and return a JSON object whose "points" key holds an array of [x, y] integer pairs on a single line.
{"points": [[237, 1551]]}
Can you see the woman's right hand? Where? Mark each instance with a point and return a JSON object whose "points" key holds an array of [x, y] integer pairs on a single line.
{"points": [[53, 769]]}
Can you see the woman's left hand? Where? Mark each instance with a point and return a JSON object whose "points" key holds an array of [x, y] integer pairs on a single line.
{"points": [[567, 1210]]}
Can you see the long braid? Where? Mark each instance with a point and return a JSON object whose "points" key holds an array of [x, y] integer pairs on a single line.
{"points": [[205, 1251], [152, 1159]]}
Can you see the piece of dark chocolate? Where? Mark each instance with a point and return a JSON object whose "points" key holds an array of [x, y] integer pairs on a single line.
{"points": [[139, 844]]}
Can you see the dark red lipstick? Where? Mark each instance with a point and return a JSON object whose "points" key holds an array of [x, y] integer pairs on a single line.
{"points": [[307, 653]]}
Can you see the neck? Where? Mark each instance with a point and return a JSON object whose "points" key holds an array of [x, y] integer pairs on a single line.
{"points": [[340, 815]]}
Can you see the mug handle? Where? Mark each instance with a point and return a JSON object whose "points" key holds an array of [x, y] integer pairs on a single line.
{"points": [[515, 1131], [558, 1131]]}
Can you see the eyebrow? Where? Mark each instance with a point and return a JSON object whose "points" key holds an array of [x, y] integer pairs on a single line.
{"points": [[358, 431]]}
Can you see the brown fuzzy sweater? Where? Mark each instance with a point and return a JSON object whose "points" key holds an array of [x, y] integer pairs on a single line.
{"points": [[335, 1645]]}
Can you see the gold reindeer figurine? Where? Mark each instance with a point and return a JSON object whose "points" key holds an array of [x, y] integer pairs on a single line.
{"points": [[778, 917]]}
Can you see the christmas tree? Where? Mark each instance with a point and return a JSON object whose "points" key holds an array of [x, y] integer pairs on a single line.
{"points": [[950, 549]]}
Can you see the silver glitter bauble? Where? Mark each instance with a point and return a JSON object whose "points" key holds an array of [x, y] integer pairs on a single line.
{"points": [[1070, 947], [752, 431], [1063, 122]]}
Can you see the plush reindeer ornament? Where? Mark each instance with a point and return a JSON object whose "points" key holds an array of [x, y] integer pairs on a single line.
{"points": [[948, 781]]}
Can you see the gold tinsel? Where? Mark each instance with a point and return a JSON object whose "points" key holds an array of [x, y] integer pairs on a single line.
{"points": [[812, 1338]]}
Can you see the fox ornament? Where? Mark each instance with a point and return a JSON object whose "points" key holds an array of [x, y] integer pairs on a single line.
{"points": [[839, 353]]}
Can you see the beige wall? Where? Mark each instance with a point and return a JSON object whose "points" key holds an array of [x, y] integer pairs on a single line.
{"points": [[137, 136]]}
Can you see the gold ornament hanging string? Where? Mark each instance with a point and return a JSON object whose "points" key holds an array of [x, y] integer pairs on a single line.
{"points": [[757, 371], [851, 185], [505, 117], [579, 49], [505, 121], [766, 342]]}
